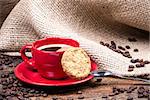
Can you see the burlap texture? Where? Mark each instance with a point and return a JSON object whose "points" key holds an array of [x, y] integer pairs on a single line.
{"points": [[87, 21]]}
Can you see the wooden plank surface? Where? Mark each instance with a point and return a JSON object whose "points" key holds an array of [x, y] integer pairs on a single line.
{"points": [[95, 91]]}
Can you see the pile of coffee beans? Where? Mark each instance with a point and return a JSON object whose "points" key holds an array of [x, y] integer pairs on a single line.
{"points": [[141, 91], [138, 63], [10, 87], [119, 49], [124, 51]]}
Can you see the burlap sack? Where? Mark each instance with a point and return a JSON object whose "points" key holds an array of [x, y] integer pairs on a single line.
{"points": [[87, 21]]}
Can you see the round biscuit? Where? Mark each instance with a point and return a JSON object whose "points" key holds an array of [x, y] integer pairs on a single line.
{"points": [[76, 63]]}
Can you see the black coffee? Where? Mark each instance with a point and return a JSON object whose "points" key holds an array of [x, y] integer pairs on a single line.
{"points": [[53, 47]]}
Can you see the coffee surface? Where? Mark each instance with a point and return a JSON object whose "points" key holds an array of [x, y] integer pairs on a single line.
{"points": [[54, 47], [51, 49]]}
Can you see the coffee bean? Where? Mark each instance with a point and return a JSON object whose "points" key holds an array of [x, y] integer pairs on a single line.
{"points": [[140, 60], [112, 94], [147, 90], [142, 64], [3, 91], [20, 97], [3, 76], [30, 95], [25, 93], [130, 98], [137, 60], [11, 72], [37, 92], [14, 78], [19, 84], [1, 68], [9, 86], [9, 98], [119, 51], [80, 97], [11, 65], [8, 93], [4, 83], [140, 95], [126, 55], [15, 85], [127, 52], [13, 92], [145, 94], [42, 92], [132, 39], [147, 62], [11, 81], [44, 95], [148, 97], [120, 47], [6, 75], [113, 45], [117, 92], [138, 65], [1, 56], [127, 46], [98, 79], [114, 89], [129, 90], [129, 56], [135, 50], [121, 90], [55, 98], [106, 44], [115, 50], [133, 60], [131, 66], [4, 87], [13, 88], [8, 62], [70, 98], [132, 88], [112, 99], [37, 95], [140, 90], [101, 42], [1, 98], [26, 96], [104, 96], [32, 91], [2, 62], [79, 92], [130, 69]]}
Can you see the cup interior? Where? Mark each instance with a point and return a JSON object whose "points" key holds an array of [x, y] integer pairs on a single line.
{"points": [[52, 41]]}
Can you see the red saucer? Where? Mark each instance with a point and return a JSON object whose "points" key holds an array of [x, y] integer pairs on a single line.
{"points": [[25, 74]]}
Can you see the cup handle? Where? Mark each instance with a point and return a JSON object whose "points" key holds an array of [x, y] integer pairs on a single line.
{"points": [[24, 57]]}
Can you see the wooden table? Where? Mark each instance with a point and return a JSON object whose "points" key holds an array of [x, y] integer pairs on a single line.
{"points": [[90, 90], [95, 91]]}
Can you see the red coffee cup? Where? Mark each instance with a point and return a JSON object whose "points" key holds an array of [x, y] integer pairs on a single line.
{"points": [[47, 63]]}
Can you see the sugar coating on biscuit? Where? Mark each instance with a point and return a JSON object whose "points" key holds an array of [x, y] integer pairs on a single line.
{"points": [[76, 63]]}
